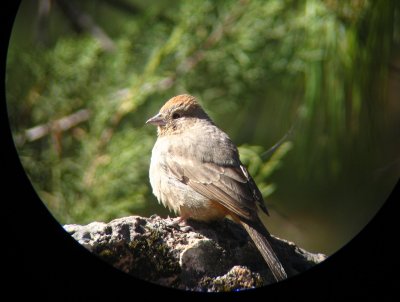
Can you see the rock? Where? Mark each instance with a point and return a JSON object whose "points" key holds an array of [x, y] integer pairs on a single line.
{"points": [[216, 256]]}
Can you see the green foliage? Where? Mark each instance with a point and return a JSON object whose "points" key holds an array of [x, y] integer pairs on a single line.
{"points": [[251, 156], [258, 67]]}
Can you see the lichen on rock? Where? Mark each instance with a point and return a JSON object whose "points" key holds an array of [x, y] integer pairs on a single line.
{"points": [[212, 257]]}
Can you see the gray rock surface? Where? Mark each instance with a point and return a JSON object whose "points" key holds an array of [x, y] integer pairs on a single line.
{"points": [[216, 256]]}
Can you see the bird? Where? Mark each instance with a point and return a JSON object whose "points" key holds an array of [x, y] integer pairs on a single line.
{"points": [[195, 171]]}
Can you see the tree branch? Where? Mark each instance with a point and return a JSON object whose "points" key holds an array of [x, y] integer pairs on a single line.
{"points": [[59, 125], [132, 9], [83, 22]]}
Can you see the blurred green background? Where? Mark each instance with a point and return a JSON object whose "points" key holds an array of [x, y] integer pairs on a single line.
{"points": [[84, 76]]}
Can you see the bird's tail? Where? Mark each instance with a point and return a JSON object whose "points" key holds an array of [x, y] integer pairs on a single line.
{"points": [[261, 240]]}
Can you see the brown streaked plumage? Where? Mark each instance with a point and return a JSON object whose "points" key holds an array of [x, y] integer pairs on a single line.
{"points": [[195, 171]]}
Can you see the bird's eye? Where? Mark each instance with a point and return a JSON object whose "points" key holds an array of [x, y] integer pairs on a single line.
{"points": [[176, 115]]}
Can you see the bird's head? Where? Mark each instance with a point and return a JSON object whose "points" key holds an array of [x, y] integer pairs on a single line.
{"points": [[178, 112]]}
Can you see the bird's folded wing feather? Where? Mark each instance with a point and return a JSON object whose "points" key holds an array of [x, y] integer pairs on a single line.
{"points": [[229, 185]]}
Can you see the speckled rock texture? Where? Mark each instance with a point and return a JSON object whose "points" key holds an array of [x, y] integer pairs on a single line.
{"points": [[210, 257]]}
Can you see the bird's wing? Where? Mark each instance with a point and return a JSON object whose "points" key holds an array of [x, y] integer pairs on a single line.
{"points": [[230, 185]]}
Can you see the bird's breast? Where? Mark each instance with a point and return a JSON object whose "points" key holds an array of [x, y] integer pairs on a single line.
{"points": [[172, 192]]}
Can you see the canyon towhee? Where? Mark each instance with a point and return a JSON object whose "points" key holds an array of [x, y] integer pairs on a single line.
{"points": [[195, 171]]}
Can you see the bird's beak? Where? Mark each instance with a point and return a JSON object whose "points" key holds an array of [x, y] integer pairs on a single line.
{"points": [[157, 120]]}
